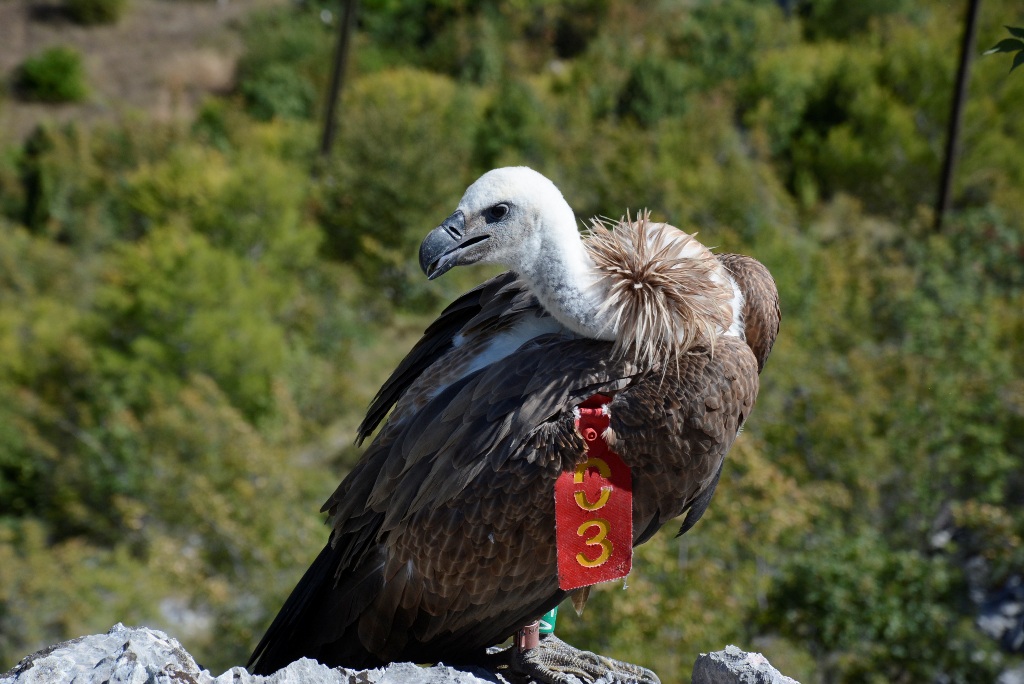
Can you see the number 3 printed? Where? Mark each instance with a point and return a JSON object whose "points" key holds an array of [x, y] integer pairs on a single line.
{"points": [[597, 540]]}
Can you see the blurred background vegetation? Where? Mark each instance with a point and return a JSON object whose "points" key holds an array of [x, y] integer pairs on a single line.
{"points": [[192, 321]]}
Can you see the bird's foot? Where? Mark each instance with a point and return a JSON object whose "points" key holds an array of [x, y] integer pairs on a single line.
{"points": [[553, 661]]}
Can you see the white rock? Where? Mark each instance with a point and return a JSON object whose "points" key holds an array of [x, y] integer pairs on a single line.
{"points": [[733, 666], [127, 655]]}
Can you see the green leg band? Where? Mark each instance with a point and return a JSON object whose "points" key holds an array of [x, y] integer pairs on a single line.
{"points": [[547, 622]]}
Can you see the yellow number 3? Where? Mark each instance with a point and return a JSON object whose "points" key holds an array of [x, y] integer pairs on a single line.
{"points": [[597, 540]]}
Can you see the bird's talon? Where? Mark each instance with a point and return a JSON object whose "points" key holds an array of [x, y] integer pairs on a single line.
{"points": [[556, 662]]}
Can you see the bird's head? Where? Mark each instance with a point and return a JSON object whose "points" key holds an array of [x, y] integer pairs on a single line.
{"points": [[504, 218]]}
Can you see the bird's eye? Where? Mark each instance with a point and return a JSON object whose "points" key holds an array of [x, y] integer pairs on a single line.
{"points": [[497, 212]]}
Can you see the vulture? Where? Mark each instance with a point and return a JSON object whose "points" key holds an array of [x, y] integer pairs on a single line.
{"points": [[443, 536]]}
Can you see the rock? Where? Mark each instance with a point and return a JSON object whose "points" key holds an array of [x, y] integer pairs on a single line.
{"points": [[127, 655], [1001, 615], [1014, 676], [733, 666]]}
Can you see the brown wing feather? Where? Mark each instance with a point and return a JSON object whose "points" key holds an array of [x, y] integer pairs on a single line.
{"points": [[761, 313], [674, 435], [483, 305]]}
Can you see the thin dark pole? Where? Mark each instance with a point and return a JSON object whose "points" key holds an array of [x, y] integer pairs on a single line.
{"points": [[963, 74], [345, 28]]}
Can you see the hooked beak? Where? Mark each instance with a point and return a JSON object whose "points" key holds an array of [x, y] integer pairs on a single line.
{"points": [[441, 249]]}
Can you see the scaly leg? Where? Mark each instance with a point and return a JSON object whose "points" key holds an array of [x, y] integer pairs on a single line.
{"points": [[552, 661]]}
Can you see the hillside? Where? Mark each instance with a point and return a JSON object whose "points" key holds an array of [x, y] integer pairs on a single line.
{"points": [[161, 59]]}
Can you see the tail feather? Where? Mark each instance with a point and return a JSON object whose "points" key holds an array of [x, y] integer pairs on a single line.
{"points": [[317, 619]]}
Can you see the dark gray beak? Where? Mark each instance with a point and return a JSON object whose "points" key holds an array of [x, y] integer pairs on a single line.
{"points": [[439, 251]]}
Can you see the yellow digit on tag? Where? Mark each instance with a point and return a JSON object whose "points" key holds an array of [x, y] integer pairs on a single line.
{"points": [[598, 464], [602, 467], [598, 539], [586, 504]]}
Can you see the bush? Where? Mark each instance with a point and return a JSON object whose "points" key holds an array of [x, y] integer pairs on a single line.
{"points": [[246, 204], [96, 11], [880, 614], [416, 127], [656, 88], [833, 127], [55, 75], [473, 41], [825, 19], [62, 188], [278, 92], [513, 129], [287, 62]]}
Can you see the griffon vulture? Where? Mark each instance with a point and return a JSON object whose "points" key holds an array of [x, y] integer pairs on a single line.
{"points": [[443, 536]]}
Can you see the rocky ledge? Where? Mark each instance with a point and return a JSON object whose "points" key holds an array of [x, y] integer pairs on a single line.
{"points": [[127, 655]]}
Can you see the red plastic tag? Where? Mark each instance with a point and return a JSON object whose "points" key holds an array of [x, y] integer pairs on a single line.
{"points": [[594, 509]]}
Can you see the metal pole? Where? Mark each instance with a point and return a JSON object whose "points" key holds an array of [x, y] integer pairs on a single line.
{"points": [[345, 28], [956, 109]]}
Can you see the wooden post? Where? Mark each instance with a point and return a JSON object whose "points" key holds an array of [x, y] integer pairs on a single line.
{"points": [[341, 50], [956, 110]]}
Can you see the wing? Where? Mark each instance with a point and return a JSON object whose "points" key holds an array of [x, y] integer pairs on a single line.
{"points": [[761, 313], [441, 512], [482, 308], [674, 434]]}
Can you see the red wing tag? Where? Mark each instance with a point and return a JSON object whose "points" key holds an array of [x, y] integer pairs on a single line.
{"points": [[594, 509]]}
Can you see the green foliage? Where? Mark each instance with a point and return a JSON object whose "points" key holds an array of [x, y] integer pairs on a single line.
{"points": [[513, 125], [278, 91], [168, 340], [1014, 44], [417, 128], [654, 90], [55, 75], [685, 51], [479, 42], [835, 128], [722, 41], [96, 11], [49, 590], [173, 302], [61, 188], [245, 203], [286, 65], [68, 180], [882, 614], [835, 19]]}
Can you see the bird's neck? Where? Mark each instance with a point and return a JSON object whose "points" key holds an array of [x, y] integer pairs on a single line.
{"points": [[566, 282]]}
